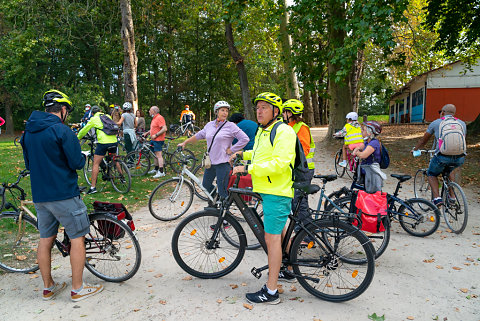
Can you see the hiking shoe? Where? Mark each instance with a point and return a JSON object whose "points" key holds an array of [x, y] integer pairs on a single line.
{"points": [[153, 171], [286, 276], [263, 296], [226, 226], [343, 163], [92, 190], [158, 175], [50, 294], [437, 201], [86, 291]]}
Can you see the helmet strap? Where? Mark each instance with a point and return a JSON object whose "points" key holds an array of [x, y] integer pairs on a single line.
{"points": [[63, 115]]}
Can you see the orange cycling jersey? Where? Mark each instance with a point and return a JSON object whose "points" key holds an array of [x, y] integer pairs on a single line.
{"points": [[187, 112]]}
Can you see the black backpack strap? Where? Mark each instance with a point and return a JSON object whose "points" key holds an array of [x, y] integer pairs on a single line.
{"points": [[216, 135], [273, 132]]}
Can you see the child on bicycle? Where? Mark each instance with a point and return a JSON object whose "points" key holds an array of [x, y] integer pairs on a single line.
{"points": [[352, 134]]}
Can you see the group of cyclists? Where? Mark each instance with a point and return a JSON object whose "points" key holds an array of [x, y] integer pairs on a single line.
{"points": [[51, 147]]}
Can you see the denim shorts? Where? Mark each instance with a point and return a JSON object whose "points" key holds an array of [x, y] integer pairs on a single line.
{"points": [[101, 149], [156, 145], [275, 212], [71, 213], [439, 162]]}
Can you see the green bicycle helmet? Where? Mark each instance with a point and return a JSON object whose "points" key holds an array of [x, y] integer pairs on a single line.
{"points": [[295, 106], [53, 96], [270, 98]]}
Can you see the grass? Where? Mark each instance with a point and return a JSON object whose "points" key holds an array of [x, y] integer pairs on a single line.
{"points": [[11, 162]]}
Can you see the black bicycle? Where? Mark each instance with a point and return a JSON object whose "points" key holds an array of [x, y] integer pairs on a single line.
{"points": [[324, 254], [112, 249]]}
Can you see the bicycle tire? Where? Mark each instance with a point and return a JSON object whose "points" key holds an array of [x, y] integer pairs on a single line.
{"points": [[455, 217], [189, 243], [379, 240], [339, 169], [18, 256], [16, 141], [121, 182], [178, 132], [421, 187], [2, 197], [171, 199], [138, 164], [423, 222], [337, 275], [176, 156], [87, 169], [116, 253], [200, 194]]}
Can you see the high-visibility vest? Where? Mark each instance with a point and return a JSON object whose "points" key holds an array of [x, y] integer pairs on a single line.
{"points": [[311, 152], [354, 135]]}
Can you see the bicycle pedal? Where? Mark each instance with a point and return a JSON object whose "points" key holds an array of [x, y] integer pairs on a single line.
{"points": [[256, 273]]}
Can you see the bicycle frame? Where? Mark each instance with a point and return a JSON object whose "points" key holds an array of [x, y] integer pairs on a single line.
{"points": [[184, 127], [195, 179]]}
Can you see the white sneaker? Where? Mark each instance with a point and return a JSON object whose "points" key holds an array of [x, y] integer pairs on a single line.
{"points": [[343, 163], [158, 175], [87, 291], [153, 171]]}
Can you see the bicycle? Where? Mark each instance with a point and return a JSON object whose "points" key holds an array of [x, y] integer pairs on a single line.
{"points": [[173, 198], [16, 140], [454, 209], [112, 249], [352, 162], [417, 216], [324, 253], [112, 169], [185, 129]]}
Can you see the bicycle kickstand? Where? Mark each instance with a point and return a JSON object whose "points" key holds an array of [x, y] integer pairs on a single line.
{"points": [[258, 272]]}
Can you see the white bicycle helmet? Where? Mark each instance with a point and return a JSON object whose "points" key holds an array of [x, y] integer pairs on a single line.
{"points": [[352, 115], [219, 105], [127, 106]]}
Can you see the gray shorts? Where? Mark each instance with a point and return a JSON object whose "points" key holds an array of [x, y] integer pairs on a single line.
{"points": [[71, 213]]}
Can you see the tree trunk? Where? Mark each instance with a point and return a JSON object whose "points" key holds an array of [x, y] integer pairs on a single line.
{"points": [[356, 75], [308, 114], [340, 102], [129, 55], [291, 79], [316, 107], [8, 115], [242, 73]]}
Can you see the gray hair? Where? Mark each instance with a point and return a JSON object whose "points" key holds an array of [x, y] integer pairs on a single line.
{"points": [[156, 109], [370, 133]]}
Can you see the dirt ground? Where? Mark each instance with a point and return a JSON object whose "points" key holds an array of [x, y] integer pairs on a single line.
{"points": [[432, 278]]}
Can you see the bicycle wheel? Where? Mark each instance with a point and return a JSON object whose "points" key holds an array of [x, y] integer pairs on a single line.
{"points": [[379, 240], [421, 187], [138, 163], [455, 210], [87, 169], [121, 180], [171, 199], [191, 250], [329, 269], [18, 248], [16, 141], [2, 197], [422, 219], [177, 156], [339, 169], [113, 252], [178, 132], [193, 130]]}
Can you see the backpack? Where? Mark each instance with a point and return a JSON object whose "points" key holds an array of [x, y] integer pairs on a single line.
{"points": [[451, 137], [384, 158], [300, 169], [109, 126]]}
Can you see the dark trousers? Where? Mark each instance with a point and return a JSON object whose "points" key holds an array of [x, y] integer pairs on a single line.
{"points": [[303, 212], [220, 171]]}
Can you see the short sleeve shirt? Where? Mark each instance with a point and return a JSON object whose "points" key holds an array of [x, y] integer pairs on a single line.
{"points": [[375, 157], [434, 128], [157, 123]]}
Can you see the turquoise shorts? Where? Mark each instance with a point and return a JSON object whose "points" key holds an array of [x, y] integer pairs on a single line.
{"points": [[275, 212]]}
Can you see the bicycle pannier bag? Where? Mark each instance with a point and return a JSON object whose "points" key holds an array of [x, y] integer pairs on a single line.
{"points": [[107, 228], [206, 162], [451, 137], [109, 126], [373, 211]]}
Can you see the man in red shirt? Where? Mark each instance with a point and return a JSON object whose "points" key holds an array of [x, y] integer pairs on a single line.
{"points": [[157, 131]]}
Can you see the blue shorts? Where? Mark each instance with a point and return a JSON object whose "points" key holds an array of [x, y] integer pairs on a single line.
{"points": [[71, 213], [101, 149], [156, 145], [439, 162], [275, 212]]}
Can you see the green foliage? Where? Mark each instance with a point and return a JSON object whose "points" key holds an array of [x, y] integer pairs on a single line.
{"points": [[374, 317]]}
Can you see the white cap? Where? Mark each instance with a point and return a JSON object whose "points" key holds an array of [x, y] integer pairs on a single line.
{"points": [[352, 115]]}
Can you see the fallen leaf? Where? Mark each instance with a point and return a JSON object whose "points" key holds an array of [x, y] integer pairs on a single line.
{"points": [[293, 288], [136, 310], [469, 259], [248, 306], [410, 318], [150, 271], [34, 276], [244, 284], [187, 278], [128, 246], [22, 257], [439, 267], [464, 290], [219, 301], [162, 302], [429, 261], [150, 285], [456, 268], [159, 275], [280, 290], [233, 286]]}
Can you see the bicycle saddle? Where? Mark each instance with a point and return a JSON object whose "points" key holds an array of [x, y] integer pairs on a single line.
{"points": [[401, 178], [307, 188], [327, 178]]}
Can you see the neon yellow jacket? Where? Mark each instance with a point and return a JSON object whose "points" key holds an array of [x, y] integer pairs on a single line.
{"points": [[354, 135], [270, 168], [96, 123]]}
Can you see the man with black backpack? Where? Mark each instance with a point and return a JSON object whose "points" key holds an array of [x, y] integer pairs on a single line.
{"points": [[450, 147], [106, 131], [272, 165]]}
